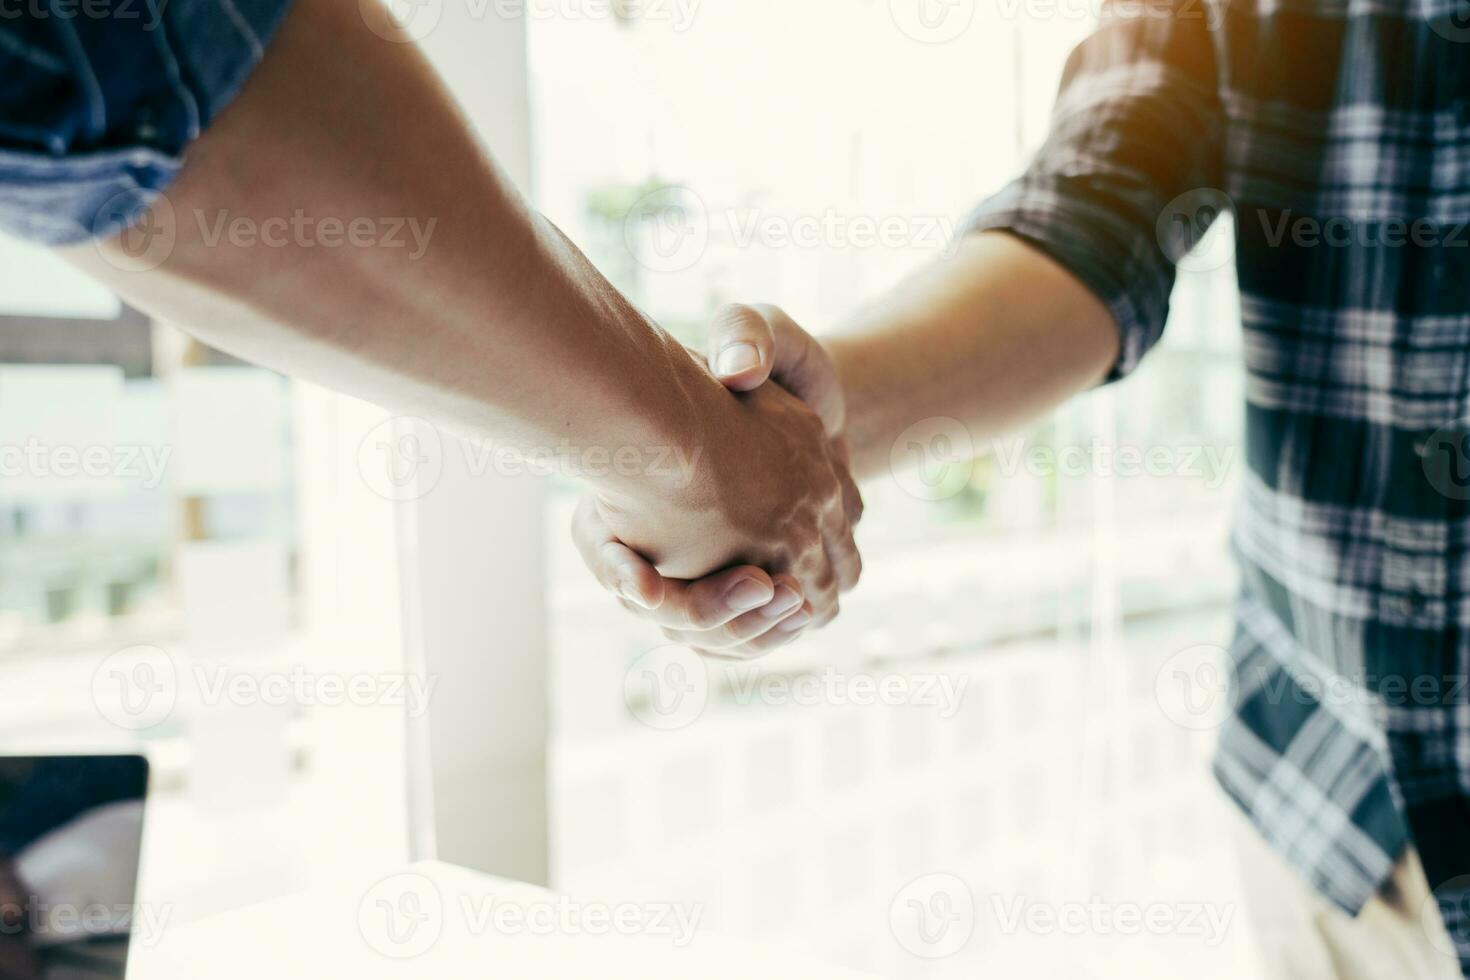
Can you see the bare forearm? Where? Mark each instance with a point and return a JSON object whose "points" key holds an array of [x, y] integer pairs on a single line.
{"points": [[994, 336], [458, 302]]}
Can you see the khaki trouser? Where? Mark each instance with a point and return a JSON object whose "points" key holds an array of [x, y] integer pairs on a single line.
{"points": [[1303, 936]]}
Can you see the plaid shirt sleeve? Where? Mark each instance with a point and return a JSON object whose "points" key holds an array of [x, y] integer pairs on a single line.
{"points": [[1136, 127], [101, 99]]}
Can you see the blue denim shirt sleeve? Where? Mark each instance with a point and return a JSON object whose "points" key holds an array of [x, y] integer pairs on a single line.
{"points": [[101, 97]]}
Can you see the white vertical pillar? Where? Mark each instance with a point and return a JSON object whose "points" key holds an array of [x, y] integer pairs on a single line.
{"points": [[473, 554]]}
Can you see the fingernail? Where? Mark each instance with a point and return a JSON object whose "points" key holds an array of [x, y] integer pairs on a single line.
{"points": [[785, 600], [628, 587], [795, 622], [747, 594], [737, 357]]}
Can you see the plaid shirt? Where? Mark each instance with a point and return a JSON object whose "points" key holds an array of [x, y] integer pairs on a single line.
{"points": [[100, 99], [1338, 132]]}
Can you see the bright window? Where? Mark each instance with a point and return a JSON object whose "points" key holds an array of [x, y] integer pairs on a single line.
{"points": [[809, 155]]}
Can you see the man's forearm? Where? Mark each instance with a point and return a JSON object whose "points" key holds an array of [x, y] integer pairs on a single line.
{"points": [[500, 326], [994, 336], [497, 327]]}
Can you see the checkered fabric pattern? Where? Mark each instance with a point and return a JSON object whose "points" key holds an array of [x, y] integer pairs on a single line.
{"points": [[100, 99], [1337, 134]]}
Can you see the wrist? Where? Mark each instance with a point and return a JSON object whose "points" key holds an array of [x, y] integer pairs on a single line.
{"points": [[680, 410], [863, 429]]}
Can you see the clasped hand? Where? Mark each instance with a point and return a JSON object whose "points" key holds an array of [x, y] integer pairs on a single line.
{"points": [[760, 546]]}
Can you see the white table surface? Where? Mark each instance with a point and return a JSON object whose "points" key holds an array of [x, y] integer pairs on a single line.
{"points": [[441, 931]]}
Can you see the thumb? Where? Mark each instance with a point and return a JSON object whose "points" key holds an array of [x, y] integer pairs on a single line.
{"points": [[785, 352], [741, 347]]}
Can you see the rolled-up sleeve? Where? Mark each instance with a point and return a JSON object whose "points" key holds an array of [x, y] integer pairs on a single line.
{"points": [[1137, 124], [102, 97]]}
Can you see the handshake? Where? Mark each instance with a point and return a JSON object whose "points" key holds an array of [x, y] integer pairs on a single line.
{"points": [[756, 548]]}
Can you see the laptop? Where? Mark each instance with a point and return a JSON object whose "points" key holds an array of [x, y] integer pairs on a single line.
{"points": [[71, 836]]}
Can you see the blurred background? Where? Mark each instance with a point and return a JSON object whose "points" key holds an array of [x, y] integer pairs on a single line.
{"points": [[801, 154]]}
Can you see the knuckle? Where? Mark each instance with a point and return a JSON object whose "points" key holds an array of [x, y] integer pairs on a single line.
{"points": [[732, 317], [824, 605], [702, 616], [760, 646], [776, 639]]}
